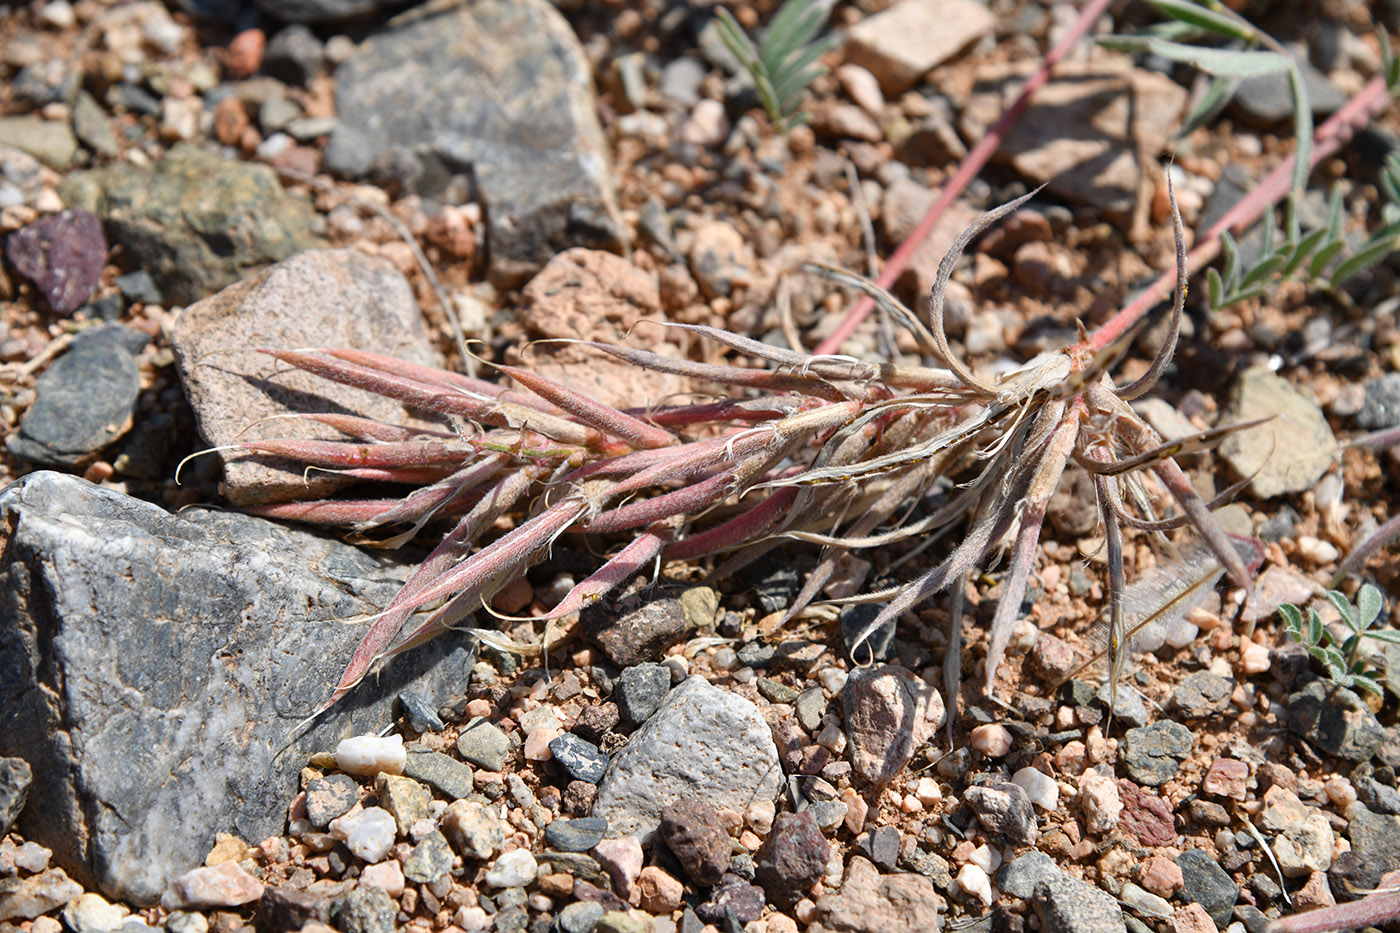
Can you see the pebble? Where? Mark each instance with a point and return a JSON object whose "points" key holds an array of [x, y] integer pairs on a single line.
{"points": [[1316, 551], [862, 87], [92, 913], [1161, 876], [640, 691], [484, 745], [1145, 902], [692, 831], [366, 909], [1146, 816], [430, 860], [1153, 754], [621, 858], [63, 255], [1039, 787], [577, 835], [1006, 809], [1020, 876], [222, 885], [889, 714], [904, 42], [404, 798], [1254, 658], [658, 892], [1068, 905], [368, 755], [1286, 455], [1335, 720], [1226, 778], [720, 259], [991, 740], [580, 917], [1192, 918], [294, 55], [443, 772], [387, 875], [1305, 847], [869, 902], [369, 833], [514, 869], [707, 125], [1380, 406], [734, 895], [972, 881], [1202, 694], [1204, 882], [792, 858], [328, 797]]}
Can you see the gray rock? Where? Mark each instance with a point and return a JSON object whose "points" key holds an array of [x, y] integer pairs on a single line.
{"points": [[810, 708], [1207, 884], [578, 835], [447, 774], [43, 82], [322, 298], [84, 401], [1130, 708], [483, 745], [1202, 694], [366, 909], [703, 742], [92, 127], [328, 797], [528, 131], [1006, 809], [1285, 455], [1154, 753], [194, 220], [1068, 905], [50, 141], [152, 668], [580, 757], [634, 627], [1375, 850], [430, 860], [63, 255], [140, 286], [1268, 99], [1335, 720], [580, 917], [1020, 876], [422, 717], [15, 778], [732, 896], [640, 690], [293, 55], [1380, 406]]}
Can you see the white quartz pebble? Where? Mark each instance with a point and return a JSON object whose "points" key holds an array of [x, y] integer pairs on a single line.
{"points": [[368, 755], [514, 869], [368, 833], [1039, 786], [972, 880]]}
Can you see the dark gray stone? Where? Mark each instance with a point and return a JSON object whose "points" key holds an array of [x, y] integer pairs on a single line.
{"points": [[430, 860], [876, 646], [153, 668], [1375, 850], [1020, 876], [15, 778], [1335, 720], [528, 131], [640, 690], [580, 757], [366, 909], [881, 846], [195, 221], [443, 772], [1129, 707], [1380, 406], [1154, 753], [578, 835], [323, 11], [422, 717], [283, 909], [293, 55], [1269, 99], [1207, 884], [1202, 694], [1068, 905], [84, 401], [63, 255], [483, 745], [330, 796], [635, 627]]}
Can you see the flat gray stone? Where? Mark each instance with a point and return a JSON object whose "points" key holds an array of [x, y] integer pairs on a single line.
{"points": [[1068, 905], [194, 220], [320, 298], [447, 774], [1153, 754], [501, 88], [1020, 876], [702, 742], [1335, 720], [153, 667], [1290, 452], [483, 745]]}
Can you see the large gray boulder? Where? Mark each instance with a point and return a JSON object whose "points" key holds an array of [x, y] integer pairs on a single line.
{"points": [[153, 668], [500, 89]]}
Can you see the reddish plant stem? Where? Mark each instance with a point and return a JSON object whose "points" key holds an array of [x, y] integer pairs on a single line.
{"points": [[1328, 139], [967, 171]]}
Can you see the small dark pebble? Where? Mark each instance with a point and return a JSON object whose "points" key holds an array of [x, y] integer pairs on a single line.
{"points": [[578, 835], [421, 715], [1207, 884], [579, 757], [640, 690]]}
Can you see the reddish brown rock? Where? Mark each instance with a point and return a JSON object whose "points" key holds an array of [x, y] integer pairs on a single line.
{"points": [[63, 255], [1146, 816]]}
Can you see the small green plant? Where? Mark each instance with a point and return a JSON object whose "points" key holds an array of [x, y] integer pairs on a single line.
{"points": [[1342, 659], [785, 63]]}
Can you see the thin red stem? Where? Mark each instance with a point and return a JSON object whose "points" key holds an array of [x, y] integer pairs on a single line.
{"points": [[967, 171]]}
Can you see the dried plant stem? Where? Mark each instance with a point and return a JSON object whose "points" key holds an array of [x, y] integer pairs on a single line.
{"points": [[967, 171], [1329, 137], [1381, 907]]}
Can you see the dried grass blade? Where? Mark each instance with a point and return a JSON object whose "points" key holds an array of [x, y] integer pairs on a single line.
{"points": [[593, 413]]}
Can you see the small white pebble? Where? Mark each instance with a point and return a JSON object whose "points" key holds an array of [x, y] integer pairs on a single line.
{"points": [[1039, 787], [928, 791], [471, 919], [368, 833], [514, 869], [992, 740], [760, 816], [745, 675], [724, 658], [1340, 791], [833, 679], [805, 911], [972, 880], [678, 666], [58, 14], [832, 735], [911, 804], [1101, 802], [1254, 658], [367, 755], [985, 858], [1315, 550]]}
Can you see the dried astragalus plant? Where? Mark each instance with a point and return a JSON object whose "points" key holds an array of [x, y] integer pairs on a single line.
{"points": [[825, 449]]}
